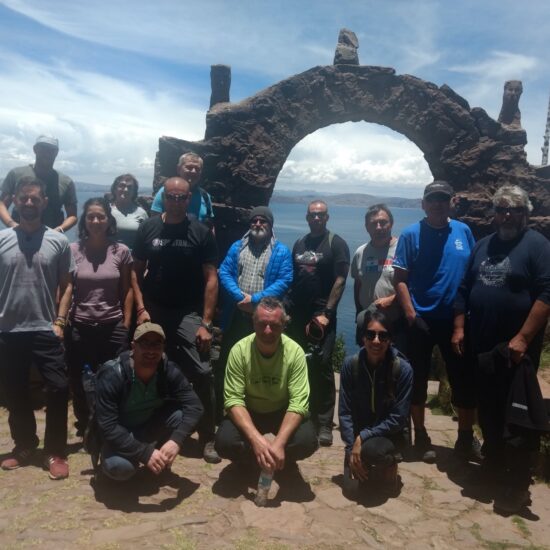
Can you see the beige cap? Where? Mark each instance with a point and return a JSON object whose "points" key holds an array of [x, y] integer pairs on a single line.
{"points": [[147, 327]]}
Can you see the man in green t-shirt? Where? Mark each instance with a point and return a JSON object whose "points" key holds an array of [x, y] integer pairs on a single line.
{"points": [[60, 189], [267, 391]]}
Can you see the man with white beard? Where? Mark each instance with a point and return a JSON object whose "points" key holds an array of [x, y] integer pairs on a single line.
{"points": [[501, 311], [256, 266]]}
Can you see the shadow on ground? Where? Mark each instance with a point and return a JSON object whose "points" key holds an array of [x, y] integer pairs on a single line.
{"points": [[125, 496]]}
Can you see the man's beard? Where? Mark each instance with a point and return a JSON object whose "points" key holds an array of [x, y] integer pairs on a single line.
{"points": [[259, 234], [29, 214]]}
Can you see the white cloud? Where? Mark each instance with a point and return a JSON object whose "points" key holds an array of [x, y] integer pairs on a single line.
{"points": [[105, 126], [354, 157], [499, 66]]}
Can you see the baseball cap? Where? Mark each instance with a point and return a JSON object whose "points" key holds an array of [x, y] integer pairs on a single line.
{"points": [[146, 328], [47, 140], [438, 187]]}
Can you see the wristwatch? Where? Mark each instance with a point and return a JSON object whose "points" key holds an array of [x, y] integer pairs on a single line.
{"points": [[208, 326]]}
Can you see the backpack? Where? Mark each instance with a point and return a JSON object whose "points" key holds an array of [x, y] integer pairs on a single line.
{"points": [[92, 438]]}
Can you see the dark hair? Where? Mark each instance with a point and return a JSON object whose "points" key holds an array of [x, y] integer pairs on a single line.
{"points": [[135, 187], [377, 317], [375, 208], [104, 203], [30, 181]]}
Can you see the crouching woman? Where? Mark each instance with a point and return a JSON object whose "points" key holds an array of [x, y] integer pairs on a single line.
{"points": [[375, 397]]}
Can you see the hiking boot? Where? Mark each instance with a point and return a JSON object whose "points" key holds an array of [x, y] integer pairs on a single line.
{"points": [[512, 501], [325, 436], [209, 453], [468, 448], [423, 446], [17, 459], [58, 467]]}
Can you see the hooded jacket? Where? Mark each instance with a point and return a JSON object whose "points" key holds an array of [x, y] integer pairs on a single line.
{"points": [[113, 385]]}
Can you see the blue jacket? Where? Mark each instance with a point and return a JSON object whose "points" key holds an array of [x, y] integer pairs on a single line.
{"points": [[278, 276], [389, 415]]}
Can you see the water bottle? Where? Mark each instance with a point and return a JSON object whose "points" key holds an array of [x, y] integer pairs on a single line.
{"points": [[264, 484], [88, 384]]}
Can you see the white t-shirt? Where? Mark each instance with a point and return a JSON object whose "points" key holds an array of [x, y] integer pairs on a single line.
{"points": [[374, 268]]}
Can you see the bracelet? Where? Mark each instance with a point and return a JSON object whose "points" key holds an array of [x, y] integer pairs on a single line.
{"points": [[140, 311], [60, 322]]}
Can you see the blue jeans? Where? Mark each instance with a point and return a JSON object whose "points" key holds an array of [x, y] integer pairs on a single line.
{"points": [[156, 430]]}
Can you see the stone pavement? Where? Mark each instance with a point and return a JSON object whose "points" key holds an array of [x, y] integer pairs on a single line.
{"points": [[210, 506]]}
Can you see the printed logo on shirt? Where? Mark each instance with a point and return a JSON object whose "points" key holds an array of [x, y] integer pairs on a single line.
{"points": [[266, 380], [493, 271], [459, 245], [160, 243], [308, 260], [378, 265]]}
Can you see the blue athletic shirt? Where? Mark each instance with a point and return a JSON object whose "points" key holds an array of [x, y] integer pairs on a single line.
{"points": [[435, 260], [198, 205]]}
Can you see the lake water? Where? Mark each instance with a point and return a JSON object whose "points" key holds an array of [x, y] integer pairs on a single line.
{"points": [[346, 221]]}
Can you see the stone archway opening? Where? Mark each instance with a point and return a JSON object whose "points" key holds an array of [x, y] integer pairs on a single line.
{"points": [[355, 157]]}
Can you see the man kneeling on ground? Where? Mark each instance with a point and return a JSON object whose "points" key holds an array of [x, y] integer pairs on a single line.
{"points": [[145, 407], [266, 391], [375, 398]]}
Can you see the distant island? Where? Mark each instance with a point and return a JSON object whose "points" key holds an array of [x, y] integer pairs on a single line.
{"points": [[347, 199]]}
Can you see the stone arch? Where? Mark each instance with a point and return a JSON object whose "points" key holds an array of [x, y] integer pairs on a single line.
{"points": [[246, 144]]}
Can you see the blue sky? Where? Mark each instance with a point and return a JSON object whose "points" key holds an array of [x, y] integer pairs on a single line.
{"points": [[108, 78]]}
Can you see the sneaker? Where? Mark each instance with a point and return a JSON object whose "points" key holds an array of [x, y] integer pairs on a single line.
{"points": [[325, 436], [423, 447], [468, 449], [57, 467], [209, 453], [17, 459], [512, 501]]}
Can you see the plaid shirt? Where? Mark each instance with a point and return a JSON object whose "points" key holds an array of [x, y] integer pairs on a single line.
{"points": [[252, 263]]}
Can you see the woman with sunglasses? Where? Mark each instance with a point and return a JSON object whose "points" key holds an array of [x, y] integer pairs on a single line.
{"points": [[102, 304], [128, 215], [375, 397]]}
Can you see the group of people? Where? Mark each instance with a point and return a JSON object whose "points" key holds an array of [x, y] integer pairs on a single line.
{"points": [[71, 307]]}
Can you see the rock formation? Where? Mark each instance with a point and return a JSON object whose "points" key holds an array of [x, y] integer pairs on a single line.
{"points": [[346, 49], [247, 143]]}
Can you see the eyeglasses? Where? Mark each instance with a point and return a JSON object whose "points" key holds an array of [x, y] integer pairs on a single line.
{"points": [[517, 210], [383, 335], [261, 221], [123, 185], [320, 215], [176, 197]]}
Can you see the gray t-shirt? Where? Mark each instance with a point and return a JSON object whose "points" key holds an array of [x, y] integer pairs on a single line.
{"points": [[30, 268], [60, 191], [374, 268], [127, 224]]}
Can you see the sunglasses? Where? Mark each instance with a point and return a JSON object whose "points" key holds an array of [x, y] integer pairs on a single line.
{"points": [[176, 198], [320, 215], [383, 335], [510, 209]]}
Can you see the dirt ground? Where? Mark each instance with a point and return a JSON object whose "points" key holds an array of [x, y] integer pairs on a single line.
{"points": [[211, 506]]}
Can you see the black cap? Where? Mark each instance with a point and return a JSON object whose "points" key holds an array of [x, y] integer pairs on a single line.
{"points": [[263, 212], [438, 187]]}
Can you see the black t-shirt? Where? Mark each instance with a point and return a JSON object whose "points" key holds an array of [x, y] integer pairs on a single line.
{"points": [[315, 261], [502, 281], [175, 255]]}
